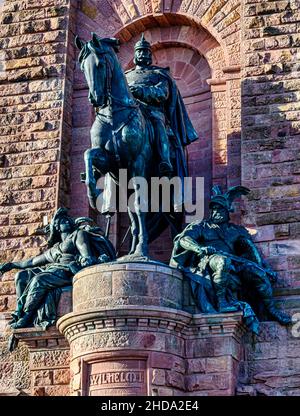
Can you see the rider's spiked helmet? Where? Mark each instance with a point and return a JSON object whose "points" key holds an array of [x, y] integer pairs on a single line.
{"points": [[226, 200], [142, 44]]}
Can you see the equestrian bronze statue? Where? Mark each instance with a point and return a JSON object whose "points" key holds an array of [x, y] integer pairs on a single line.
{"points": [[223, 265], [132, 128]]}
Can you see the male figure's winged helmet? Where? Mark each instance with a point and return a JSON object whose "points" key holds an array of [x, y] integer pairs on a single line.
{"points": [[226, 200]]}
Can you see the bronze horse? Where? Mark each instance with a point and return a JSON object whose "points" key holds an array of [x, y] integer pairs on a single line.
{"points": [[120, 137]]}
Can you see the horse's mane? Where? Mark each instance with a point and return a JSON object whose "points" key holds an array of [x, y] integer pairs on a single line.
{"points": [[104, 46]]}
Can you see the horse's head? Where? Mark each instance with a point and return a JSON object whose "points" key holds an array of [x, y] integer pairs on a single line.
{"points": [[95, 60]]}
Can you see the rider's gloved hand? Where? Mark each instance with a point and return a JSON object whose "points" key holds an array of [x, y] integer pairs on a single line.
{"points": [[207, 251], [136, 90]]}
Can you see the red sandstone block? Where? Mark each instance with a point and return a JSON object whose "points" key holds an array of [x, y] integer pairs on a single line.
{"points": [[7, 303], [218, 347], [207, 382], [75, 366], [167, 361], [218, 364], [61, 390], [176, 380], [162, 391], [225, 392], [7, 288], [76, 382], [196, 365], [256, 367], [42, 378], [61, 376], [279, 382], [268, 350], [265, 233], [137, 285]]}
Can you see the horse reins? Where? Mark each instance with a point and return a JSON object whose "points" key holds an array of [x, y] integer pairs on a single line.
{"points": [[109, 99]]}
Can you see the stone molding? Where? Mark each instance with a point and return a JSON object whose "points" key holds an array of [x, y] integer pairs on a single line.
{"points": [[131, 317], [41, 338], [150, 318]]}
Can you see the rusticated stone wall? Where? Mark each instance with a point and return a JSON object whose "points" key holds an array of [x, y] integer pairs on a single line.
{"points": [[217, 48], [271, 168], [36, 76], [271, 131]]}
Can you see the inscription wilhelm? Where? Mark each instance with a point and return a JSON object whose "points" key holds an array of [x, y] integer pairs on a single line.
{"points": [[112, 377]]}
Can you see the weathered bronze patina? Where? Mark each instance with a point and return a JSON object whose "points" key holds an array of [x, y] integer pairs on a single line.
{"points": [[130, 131], [160, 101], [73, 245], [224, 266]]}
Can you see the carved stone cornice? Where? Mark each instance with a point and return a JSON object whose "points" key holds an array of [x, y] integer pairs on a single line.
{"points": [[125, 319], [149, 319], [219, 324], [41, 338]]}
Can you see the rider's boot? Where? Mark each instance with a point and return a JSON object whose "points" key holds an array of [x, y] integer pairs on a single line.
{"points": [[165, 166]]}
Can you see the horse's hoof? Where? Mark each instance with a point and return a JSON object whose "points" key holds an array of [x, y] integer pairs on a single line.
{"points": [[140, 256], [92, 197], [133, 257], [141, 251]]}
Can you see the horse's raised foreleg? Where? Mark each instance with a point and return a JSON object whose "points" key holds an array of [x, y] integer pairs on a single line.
{"points": [[91, 158]]}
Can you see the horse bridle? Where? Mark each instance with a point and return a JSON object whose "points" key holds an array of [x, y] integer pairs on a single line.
{"points": [[107, 92]]}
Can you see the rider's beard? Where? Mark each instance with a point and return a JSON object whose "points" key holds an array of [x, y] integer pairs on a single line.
{"points": [[143, 61]]}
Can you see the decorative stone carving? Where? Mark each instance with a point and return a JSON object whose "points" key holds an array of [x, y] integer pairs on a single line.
{"points": [[110, 376]]}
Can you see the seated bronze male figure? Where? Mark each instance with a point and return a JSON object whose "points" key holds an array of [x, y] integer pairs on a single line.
{"points": [[222, 262], [73, 245]]}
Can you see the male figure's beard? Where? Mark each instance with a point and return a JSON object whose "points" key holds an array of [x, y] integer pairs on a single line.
{"points": [[143, 62], [219, 219]]}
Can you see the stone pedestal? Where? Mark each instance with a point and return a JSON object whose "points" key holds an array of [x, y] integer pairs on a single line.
{"points": [[49, 355], [49, 362], [129, 336]]}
